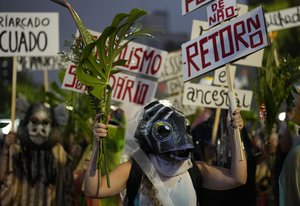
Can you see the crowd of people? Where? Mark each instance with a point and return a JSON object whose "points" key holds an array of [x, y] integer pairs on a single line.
{"points": [[169, 162]]}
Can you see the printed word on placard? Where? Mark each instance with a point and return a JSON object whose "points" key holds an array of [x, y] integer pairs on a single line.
{"points": [[214, 96], [191, 5], [29, 34], [221, 10], [230, 41]]}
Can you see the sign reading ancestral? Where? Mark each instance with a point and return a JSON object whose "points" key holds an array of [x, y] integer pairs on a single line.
{"points": [[214, 96], [230, 41], [29, 34], [221, 10]]}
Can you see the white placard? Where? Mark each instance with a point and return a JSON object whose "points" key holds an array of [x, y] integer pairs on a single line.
{"points": [[283, 19], [38, 63], [214, 96], [191, 5], [230, 41], [70, 81], [220, 76], [253, 60], [220, 10], [29, 34], [130, 89], [172, 67]]}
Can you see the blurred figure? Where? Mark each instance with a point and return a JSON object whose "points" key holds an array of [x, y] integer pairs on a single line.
{"points": [[38, 171]]}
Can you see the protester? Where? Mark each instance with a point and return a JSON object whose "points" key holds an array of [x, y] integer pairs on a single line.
{"points": [[39, 171], [161, 171]]}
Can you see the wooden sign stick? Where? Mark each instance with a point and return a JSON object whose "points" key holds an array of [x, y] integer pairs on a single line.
{"points": [[215, 126], [13, 94], [46, 79], [232, 104]]}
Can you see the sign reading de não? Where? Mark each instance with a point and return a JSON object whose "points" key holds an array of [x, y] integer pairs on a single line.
{"points": [[228, 42], [29, 34]]}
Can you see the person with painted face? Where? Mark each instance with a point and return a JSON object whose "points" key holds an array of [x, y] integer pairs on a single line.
{"points": [[161, 170], [40, 171]]}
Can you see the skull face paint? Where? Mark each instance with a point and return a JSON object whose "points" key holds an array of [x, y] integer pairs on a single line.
{"points": [[165, 131], [39, 126]]}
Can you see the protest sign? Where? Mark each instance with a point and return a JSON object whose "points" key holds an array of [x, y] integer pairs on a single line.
{"points": [[70, 81], [230, 41], [214, 96], [283, 19], [29, 34]]}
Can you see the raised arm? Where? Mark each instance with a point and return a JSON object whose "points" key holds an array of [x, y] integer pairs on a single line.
{"points": [[218, 178], [95, 186]]}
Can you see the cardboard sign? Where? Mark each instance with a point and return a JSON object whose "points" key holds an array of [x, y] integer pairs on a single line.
{"points": [[252, 60], [172, 67], [29, 34], [220, 10], [70, 81], [191, 5], [220, 76], [230, 41], [283, 19], [130, 89], [38, 63], [176, 101], [214, 97]]}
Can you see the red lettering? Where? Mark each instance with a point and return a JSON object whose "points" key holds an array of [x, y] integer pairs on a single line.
{"points": [[238, 36], [229, 41], [136, 66], [203, 52], [213, 37], [143, 93], [187, 2], [129, 86], [146, 58], [120, 84], [189, 57], [159, 59], [72, 73], [260, 39]]}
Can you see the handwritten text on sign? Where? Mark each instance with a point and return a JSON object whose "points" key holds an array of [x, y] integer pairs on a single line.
{"points": [[191, 5], [127, 88], [239, 37], [283, 19], [214, 96], [29, 34], [221, 10]]}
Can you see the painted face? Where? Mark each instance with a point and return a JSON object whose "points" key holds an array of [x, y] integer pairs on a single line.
{"points": [[39, 127], [165, 131]]}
